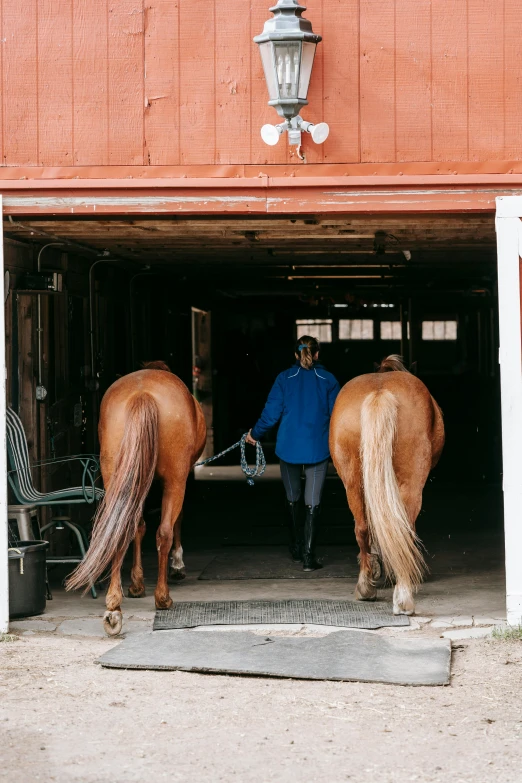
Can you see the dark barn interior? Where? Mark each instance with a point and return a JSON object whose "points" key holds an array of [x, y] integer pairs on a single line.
{"points": [[221, 301]]}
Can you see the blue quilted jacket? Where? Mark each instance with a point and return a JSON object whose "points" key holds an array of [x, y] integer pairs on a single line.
{"points": [[302, 401]]}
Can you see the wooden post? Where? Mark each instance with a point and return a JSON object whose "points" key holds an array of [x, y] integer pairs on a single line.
{"points": [[509, 242], [4, 564]]}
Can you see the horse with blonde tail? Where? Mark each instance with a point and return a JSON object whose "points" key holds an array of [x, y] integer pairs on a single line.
{"points": [[150, 427], [386, 434]]}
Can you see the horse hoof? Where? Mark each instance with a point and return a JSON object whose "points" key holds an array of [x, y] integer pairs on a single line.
{"points": [[177, 575], [112, 622], [137, 593], [398, 610], [370, 596], [365, 589], [403, 602], [163, 603]]}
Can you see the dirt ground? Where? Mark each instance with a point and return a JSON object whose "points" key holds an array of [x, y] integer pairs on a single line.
{"points": [[64, 718]]}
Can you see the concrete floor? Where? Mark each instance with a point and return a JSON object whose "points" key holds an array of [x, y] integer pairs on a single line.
{"points": [[462, 600], [461, 528]]}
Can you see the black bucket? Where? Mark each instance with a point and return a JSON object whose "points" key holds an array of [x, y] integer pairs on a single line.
{"points": [[27, 578]]}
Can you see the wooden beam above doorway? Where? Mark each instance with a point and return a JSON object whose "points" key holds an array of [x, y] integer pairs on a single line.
{"points": [[261, 195]]}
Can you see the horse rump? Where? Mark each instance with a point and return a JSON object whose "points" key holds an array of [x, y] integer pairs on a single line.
{"points": [[120, 511]]}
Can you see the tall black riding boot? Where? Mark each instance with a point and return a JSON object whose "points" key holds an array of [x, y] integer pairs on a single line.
{"points": [[310, 530], [295, 527]]}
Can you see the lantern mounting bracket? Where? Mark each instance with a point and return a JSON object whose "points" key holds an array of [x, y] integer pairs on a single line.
{"points": [[294, 127]]}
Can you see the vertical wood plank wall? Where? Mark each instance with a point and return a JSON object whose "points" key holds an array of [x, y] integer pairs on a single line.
{"points": [[20, 318], [170, 82]]}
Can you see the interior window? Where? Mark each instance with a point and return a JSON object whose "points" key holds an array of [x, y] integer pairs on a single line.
{"points": [[320, 328], [391, 330], [439, 330], [355, 329]]}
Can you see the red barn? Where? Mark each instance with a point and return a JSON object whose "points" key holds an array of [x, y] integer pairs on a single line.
{"points": [[131, 151]]}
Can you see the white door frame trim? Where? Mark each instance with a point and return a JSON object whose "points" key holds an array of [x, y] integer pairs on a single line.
{"points": [[4, 563], [509, 249]]}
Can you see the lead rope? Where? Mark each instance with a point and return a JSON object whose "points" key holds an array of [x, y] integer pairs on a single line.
{"points": [[250, 473]]}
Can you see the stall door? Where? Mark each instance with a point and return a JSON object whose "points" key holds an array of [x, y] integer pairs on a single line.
{"points": [[509, 249], [202, 371]]}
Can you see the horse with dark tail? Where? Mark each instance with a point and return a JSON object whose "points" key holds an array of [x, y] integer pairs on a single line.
{"points": [[386, 434], [150, 427]]}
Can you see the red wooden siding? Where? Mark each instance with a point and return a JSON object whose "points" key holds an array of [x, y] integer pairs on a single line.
{"points": [[179, 82], [90, 106], [449, 77], [18, 42]]}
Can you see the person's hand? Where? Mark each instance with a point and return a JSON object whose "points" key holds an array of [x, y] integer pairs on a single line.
{"points": [[250, 439]]}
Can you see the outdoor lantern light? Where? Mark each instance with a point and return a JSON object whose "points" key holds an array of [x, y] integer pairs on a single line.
{"points": [[287, 45]]}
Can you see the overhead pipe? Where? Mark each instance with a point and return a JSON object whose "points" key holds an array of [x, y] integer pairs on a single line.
{"points": [[80, 248]]}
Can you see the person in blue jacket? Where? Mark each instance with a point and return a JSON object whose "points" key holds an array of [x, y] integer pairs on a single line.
{"points": [[302, 400]]}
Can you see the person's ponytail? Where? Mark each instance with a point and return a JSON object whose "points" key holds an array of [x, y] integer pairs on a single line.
{"points": [[306, 349]]}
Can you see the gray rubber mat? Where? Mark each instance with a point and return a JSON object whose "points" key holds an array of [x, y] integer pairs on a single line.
{"points": [[343, 614], [342, 655], [274, 562]]}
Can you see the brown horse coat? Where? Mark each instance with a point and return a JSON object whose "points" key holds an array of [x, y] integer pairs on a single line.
{"points": [[386, 434], [150, 427]]}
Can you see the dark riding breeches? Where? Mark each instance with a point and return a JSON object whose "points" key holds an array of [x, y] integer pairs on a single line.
{"points": [[315, 476]]}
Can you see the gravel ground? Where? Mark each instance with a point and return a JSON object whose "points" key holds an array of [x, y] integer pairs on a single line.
{"points": [[64, 718]]}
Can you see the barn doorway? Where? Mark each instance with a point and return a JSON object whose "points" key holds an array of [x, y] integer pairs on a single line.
{"points": [[222, 301]]}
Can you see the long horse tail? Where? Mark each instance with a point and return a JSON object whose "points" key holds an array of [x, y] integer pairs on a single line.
{"points": [[385, 512], [119, 514]]}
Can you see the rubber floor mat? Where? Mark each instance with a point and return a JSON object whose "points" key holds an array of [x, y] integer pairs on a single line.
{"points": [[341, 655], [343, 614]]}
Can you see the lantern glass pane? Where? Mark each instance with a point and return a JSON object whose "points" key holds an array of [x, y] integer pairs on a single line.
{"points": [[307, 61], [267, 59], [287, 59]]}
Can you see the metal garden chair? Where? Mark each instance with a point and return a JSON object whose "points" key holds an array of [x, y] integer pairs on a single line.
{"points": [[21, 483]]}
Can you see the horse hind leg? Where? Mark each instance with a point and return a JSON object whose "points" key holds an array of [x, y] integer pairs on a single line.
{"points": [[403, 600], [113, 618], [137, 585], [376, 556], [365, 589], [177, 566], [170, 510]]}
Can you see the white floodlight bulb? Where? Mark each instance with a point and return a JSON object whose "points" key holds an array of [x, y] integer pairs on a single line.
{"points": [[319, 132], [270, 134]]}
